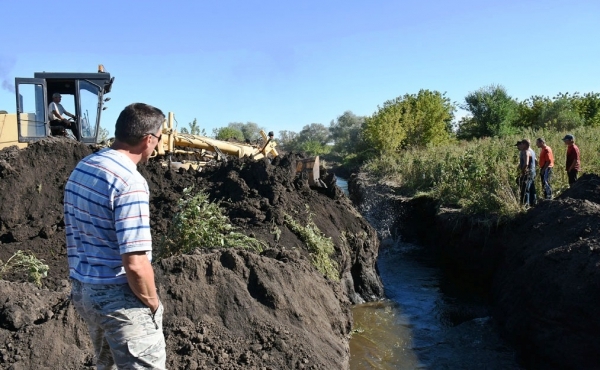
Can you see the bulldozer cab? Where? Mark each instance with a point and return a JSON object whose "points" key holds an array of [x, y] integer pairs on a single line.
{"points": [[82, 95]]}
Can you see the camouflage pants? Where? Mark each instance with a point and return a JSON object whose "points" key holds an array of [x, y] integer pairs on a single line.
{"points": [[125, 334]]}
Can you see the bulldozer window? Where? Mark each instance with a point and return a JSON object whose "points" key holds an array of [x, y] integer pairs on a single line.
{"points": [[88, 95]]}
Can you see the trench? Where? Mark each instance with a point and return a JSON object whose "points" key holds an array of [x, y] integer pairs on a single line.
{"points": [[425, 321]]}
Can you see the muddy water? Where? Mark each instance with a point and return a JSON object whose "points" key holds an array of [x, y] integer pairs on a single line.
{"points": [[424, 323]]}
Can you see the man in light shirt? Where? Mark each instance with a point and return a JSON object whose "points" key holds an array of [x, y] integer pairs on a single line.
{"points": [[109, 246], [58, 122]]}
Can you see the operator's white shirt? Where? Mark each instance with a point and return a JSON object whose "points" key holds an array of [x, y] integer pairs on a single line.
{"points": [[52, 107]]}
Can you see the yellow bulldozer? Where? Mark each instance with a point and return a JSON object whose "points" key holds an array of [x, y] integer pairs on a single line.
{"points": [[85, 95]]}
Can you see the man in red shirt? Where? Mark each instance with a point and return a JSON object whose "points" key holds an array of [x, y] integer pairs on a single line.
{"points": [[546, 166], [573, 164]]}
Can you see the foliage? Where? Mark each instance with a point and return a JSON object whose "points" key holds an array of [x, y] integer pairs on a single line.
{"points": [[102, 135], [250, 130], [225, 133], [35, 268], [313, 139], [346, 133], [286, 139], [194, 129], [314, 148], [200, 223], [493, 113], [320, 247], [540, 112], [410, 121], [478, 176]]}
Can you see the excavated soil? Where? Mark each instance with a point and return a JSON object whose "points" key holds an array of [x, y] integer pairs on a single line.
{"points": [[225, 309]]}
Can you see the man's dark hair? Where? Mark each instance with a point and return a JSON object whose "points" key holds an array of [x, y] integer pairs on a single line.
{"points": [[136, 121], [541, 140]]}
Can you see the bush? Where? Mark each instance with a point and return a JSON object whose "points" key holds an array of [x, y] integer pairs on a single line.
{"points": [[320, 247], [200, 223], [479, 176], [21, 261]]}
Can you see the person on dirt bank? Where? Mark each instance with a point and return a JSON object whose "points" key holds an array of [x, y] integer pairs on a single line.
{"points": [[546, 166], [55, 115], [573, 158], [526, 173], [109, 246]]}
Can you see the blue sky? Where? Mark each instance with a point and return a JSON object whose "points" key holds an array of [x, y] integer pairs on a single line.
{"points": [[285, 64]]}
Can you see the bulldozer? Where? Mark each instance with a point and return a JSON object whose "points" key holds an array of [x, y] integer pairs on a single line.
{"points": [[85, 95]]}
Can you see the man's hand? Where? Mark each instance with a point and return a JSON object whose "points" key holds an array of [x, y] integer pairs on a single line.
{"points": [[140, 277]]}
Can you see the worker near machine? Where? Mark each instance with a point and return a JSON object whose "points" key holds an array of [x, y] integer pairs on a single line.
{"points": [[573, 158], [546, 166], [109, 246], [58, 123]]}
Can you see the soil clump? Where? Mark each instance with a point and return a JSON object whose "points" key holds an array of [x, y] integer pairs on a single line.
{"points": [[226, 309]]}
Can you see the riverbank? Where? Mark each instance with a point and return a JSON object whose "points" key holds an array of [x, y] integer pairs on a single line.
{"points": [[538, 272]]}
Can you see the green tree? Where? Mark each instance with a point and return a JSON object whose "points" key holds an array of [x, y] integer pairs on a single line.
{"points": [[194, 129], [286, 139], [313, 148], [226, 133], [345, 132], [493, 113], [314, 132], [384, 130], [427, 117], [588, 106], [250, 130], [560, 113], [410, 120]]}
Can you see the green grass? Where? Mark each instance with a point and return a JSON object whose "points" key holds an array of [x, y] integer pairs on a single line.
{"points": [[200, 223], [320, 247], [479, 176]]}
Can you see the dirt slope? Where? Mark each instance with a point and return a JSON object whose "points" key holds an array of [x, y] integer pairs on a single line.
{"points": [[223, 309], [547, 290]]}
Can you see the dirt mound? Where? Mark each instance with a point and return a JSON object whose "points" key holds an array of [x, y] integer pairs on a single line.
{"points": [[224, 309], [547, 288]]}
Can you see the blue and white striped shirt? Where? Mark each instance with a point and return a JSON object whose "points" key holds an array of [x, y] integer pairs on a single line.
{"points": [[107, 213]]}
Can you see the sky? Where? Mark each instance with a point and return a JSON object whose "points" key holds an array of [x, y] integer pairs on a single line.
{"points": [[284, 65]]}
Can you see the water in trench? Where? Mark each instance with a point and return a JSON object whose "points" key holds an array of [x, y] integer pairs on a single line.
{"points": [[424, 323]]}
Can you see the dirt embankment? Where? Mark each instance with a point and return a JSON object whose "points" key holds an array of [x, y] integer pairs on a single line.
{"points": [[541, 272], [224, 309]]}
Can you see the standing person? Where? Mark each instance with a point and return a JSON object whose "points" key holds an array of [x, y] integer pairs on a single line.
{"points": [[573, 162], [546, 166], [531, 165], [109, 246]]}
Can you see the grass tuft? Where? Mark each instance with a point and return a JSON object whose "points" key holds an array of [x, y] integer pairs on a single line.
{"points": [[200, 223], [320, 247]]}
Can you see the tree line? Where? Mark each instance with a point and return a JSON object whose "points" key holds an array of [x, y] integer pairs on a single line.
{"points": [[425, 119]]}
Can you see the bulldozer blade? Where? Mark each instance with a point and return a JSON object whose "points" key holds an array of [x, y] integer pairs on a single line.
{"points": [[309, 169]]}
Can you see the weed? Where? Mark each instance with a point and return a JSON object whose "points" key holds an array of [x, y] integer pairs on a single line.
{"points": [[26, 262], [320, 247], [275, 230], [200, 223], [478, 176]]}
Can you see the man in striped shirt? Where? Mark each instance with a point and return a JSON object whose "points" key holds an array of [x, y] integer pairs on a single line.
{"points": [[109, 246]]}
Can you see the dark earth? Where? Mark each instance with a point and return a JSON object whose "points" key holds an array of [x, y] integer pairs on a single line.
{"points": [[225, 309], [235, 309]]}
